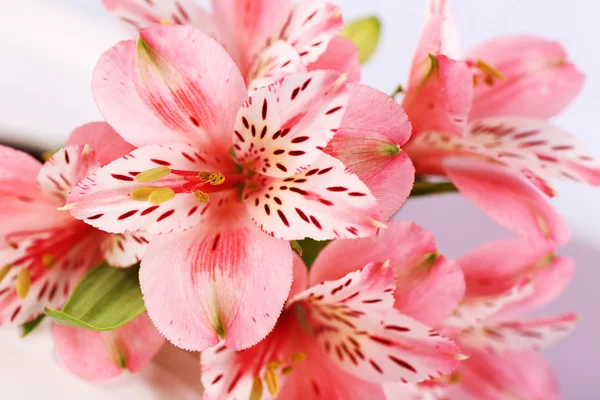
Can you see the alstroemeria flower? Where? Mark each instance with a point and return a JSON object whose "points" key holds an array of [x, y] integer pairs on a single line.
{"points": [[506, 279], [96, 355], [492, 106], [220, 166], [44, 252], [339, 339], [267, 39]]}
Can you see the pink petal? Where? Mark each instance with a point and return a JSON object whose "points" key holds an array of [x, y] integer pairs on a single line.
{"points": [[281, 129], [440, 33], [365, 336], [368, 142], [138, 14], [327, 201], [246, 25], [300, 280], [523, 375], [124, 250], [225, 280], [533, 334], [440, 99], [271, 64], [103, 199], [64, 169], [311, 25], [341, 56], [96, 355], [159, 92], [509, 199], [102, 139], [538, 81], [429, 287]]}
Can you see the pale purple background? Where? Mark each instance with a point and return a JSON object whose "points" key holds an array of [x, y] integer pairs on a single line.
{"points": [[49, 48]]}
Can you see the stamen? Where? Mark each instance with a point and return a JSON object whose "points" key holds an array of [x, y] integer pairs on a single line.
{"points": [[4, 270], [201, 196], [23, 283], [152, 174], [339, 81], [489, 70], [273, 364], [165, 21], [287, 370], [216, 178], [272, 381], [205, 176], [461, 357], [298, 357], [48, 260], [141, 194], [543, 225], [161, 195], [454, 378], [257, 389]]}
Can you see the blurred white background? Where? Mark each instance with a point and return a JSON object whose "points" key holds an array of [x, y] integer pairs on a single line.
{"points": [[49, 48]]}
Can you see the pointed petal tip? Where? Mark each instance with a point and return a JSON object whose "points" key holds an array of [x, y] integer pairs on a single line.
{"points": [[461, 357]]}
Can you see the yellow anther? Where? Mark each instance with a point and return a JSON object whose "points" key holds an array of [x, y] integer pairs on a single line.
{"points": [[216, 178], [23, 282], [339, 81], [454, 378], [298, 357], [152, 174], [13, 245], [488, 69], [4, 270], [86, 149], [461, 357], [257, 389], [272, 381], [141, 194], [543, 225], [201, 196], [48, 260], [205, 176], [161, 195], [273, 364], [165, 21], [287, 370]]}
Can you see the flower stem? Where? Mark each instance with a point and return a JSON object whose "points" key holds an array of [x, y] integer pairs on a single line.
{"points": [[423, 188]]}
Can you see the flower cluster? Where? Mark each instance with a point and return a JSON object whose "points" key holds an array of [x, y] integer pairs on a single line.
{"points": [[232, 136]]}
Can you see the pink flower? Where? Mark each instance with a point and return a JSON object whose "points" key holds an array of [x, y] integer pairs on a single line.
{"points": [[45, 252], [492, 106], [96, 355], [178, 96], [339, 339], [267, 39]]}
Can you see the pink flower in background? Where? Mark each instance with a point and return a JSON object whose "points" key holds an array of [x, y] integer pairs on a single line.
{"points": [[96, 355], [222, 166], [340, 339], [44, 252], [267, 39]]}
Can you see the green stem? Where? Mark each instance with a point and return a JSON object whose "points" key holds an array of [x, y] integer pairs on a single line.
{"points": [[423, 188]]}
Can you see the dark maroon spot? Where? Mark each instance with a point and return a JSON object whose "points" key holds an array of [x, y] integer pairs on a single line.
{"points": [[565, 147], [127, 214], [296, 153], [524, 135], [281, 167], [43, 291], [276, 134], [397, 328], [234, 382], [337, 289], [303, 53], [315, 387], [165, 215], [216, 242], [149, 210], [380, 340], [160, 162], [193, 210], [253, 130], [283, 218], [337, 189], [356, 194], [288, 179], [264, 109], [305, 84], [295, 93], [333, 110], [353, 231], [188, 157], [372, 301], [53, 291], [245, 122], [316, 222], [543, 157], [67, 160], [96, 216], [324, 171], [267, 209], [326, 202], [239, 136], [278, 151], [283, 187], [533, 143], [194, 121], [402, 363], [300, 139], [302, 215], [285, 64], [285, 132], [300, 180], [263, 132], [277, 200], [122, 177], [217, 379], [256, 202], [375, 366], [312, 172], [299, 191], [15, 313]]}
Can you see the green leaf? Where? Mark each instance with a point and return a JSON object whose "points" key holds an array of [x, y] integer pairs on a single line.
{"points": [[423, 188], [30, 326], [105, 299], [364, 33], [310, 249], [296, 247]]}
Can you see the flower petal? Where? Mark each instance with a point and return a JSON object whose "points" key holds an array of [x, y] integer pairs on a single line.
{"points": [[96, 355], [158, 91], [102, 139], [429, 287], [138, 14], [538, 80], [313, 203], [104, 199], [368, 142], [225, 279], [271, 64], [533, 334], [124, 250], [281, 129], [341, 56], [508, 198], [311, 25]]}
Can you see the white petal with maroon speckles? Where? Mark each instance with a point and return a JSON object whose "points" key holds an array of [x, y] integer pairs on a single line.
{"points": [[354, 321], [281, 128], [124, 249], [273, 63], [324, 202]]}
